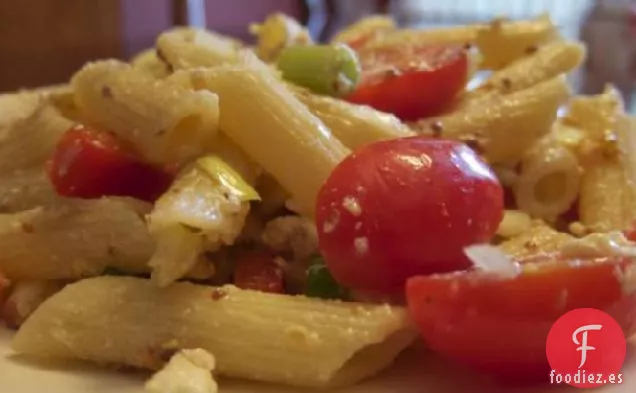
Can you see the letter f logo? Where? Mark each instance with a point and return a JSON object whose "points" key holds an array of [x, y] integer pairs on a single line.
{"points": [[583, 343]]}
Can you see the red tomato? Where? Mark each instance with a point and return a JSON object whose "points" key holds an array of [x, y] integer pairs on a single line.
{"points": [[500, 326], [92, 164], [257, 271], [412, 81], [405, 207]]}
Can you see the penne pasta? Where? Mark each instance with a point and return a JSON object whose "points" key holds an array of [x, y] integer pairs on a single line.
{"points": [[608, 155], [23, 190], [539, 239], [503, 42], [503, 126], [149, 62], [26, 296], [365, 29], [164, 122], [264, 337], [185, 48], [548, 184], [460, 35], [354, 125], [77, 238], [17, 106], [547, 62], [280, 133], [30, 142]]}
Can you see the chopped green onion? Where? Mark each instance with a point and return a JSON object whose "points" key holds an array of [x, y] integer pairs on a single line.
{"points": [[324, 69], [321, 284]]}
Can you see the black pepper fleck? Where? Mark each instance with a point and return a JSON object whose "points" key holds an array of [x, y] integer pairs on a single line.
{"points": [[107, 92], [218, 294], [27, 227], [507, 83], [531, 49]]}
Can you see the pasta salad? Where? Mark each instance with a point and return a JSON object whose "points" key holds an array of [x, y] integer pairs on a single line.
{"points": [[301, 213]]}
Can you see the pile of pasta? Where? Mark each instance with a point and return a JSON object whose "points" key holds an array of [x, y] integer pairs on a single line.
{"points": [[250, 144]]}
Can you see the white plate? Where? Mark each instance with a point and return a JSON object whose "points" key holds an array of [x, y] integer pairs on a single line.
{"points": [[413, 373]]}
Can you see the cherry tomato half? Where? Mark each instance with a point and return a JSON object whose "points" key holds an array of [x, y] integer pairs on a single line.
{"points": [[405, 207], [500, 326], [91, 164], [412, 81], [257, 271]]}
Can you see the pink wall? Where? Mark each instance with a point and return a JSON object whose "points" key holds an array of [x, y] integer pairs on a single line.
{"points": [[234, 16], [143, 20]]}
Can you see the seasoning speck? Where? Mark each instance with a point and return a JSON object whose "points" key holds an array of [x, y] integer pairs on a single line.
{"points": [[506, 83], [27, 227], [218, 294], [107, 92], [531, 49], [351, 204], [530, 245], [437, 128], [361, 245]]}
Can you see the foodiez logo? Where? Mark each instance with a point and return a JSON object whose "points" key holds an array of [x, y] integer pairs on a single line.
{"points": [[586, 348]]}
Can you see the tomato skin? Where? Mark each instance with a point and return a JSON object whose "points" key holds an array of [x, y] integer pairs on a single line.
{"points": [[405, 207], [412, 81], [4, 289], [257, 271], [91, 164], [500, 326]]}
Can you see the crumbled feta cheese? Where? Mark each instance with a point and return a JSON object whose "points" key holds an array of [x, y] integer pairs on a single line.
{"points": [[361, 244], [188, 371], [351, 204], [292, 233]]}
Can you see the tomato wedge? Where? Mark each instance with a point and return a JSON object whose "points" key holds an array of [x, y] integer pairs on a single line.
{"points": [[90, 164], [412, 81], [500, 326], [257, 271]]}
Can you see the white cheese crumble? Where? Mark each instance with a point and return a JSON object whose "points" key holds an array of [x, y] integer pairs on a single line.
{"points": [[351, 204], [188, 371], [491, 259], [361, 244]]}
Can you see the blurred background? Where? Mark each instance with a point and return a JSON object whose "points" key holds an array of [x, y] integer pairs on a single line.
{"points": [[43, 41]]}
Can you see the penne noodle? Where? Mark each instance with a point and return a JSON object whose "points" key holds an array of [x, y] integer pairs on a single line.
{"points": [[185, 48], [77, 238], [265, 337], [460, 35], [26, 296], [548, 184], [539, 239], [549, 61], [365, 29], [503, 126], [16, 107], [354, 125], [164, 122], [279, 133], [149, 62], [22, 190], [30, 142], [596, 115], [503, 42], [608, 187]]}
